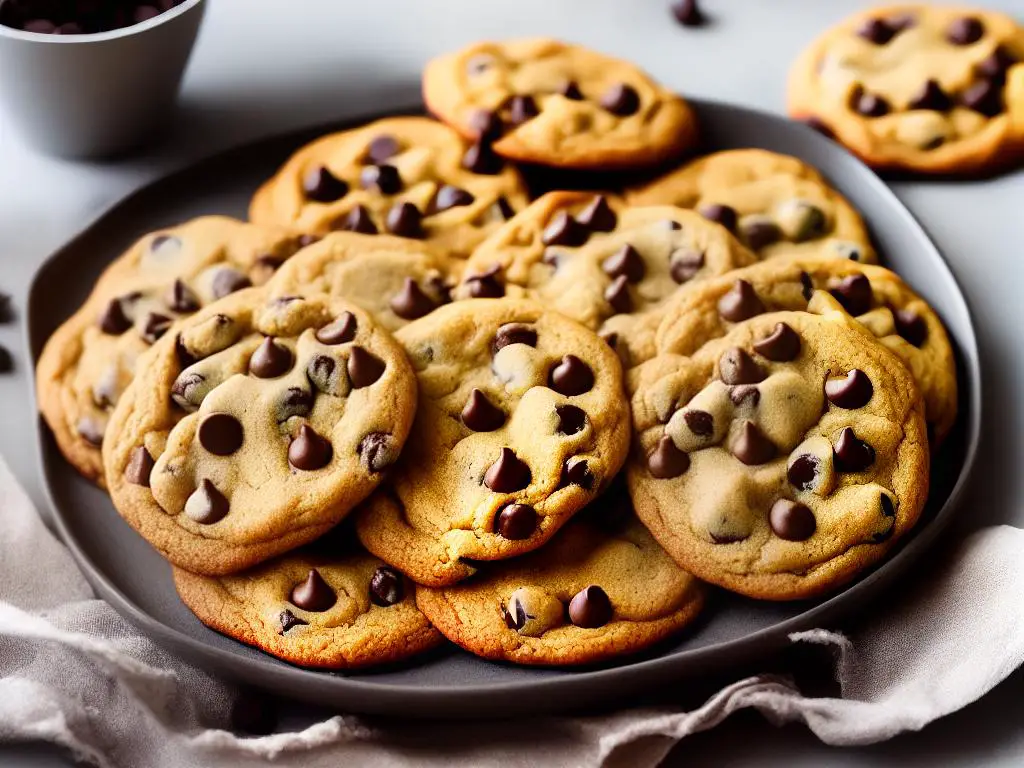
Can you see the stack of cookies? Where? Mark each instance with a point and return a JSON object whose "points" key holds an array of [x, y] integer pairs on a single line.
{"points": [[408, 400]]}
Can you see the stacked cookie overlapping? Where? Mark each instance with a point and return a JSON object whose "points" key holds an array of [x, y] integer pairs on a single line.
{"points": [[406, 402]]}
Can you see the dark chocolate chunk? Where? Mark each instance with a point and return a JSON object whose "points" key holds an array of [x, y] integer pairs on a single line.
{"points": [[289, 620], [155, 326], [207, 505], [854, 294], [521, 109], [405, 220], [911, 326], [514, 333], [868, 104], [571, 376], [140, 467], [737, 367], [700, 422], [752, 447], [113, 320], [221, 434], [781, 345], [508, 474], [314, 594], [621, 100], [721, 214], [227, 281], [740, 303], [684, 264], [995, 65], [611, 338], [984, 96], [322, 186], [342, 330], [590, 608], [617, 294], [792, 521], [888, 511], [364, 368], [516, 522], [803, 471], [667, 461], [382, 148], [576, 471], [571, 91], [806, 286], [383, 178], [759, 234], [564, 230], [358, 220], [876, 31], [386, 586], [377, 451], [625, 262], [486, 125], [480, 414], [598, 216], [688, 13], [270, 360], [452, 197], [852, 454], [965, 30], [309, 451], [931, 96], [481, 159], [411, 302], [181, 298], [852, 391], [486, 285], [570, 419]]}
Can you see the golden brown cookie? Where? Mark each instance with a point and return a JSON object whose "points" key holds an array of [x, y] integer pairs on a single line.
{"points": [[601, 588], [552, 103], [920, 87], [168, 274], [522, 421], [255, 426], [407, 176], [776, 204], [780, 460]]}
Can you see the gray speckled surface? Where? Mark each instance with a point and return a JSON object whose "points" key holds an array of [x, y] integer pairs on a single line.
{"points": [[260, 68]]}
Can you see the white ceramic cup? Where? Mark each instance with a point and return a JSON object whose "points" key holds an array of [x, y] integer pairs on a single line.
{"points": [[100, 94]]}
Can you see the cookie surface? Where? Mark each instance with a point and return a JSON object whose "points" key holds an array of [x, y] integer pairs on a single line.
{"points": [[777, 205], [924, 88], [522, 420], [407, 176], [255, 427], [603, 587], [877, 297], [315, 608], [780, 460], [168, 274], [394, 279], [542, 101]]}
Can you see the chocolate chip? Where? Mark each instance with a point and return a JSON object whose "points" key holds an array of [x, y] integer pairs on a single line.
{"points": [[382, 148], [876, 31], [508, 474], [452, 197], [688, 13], [155, 326], [854, 294], [188, 390], [740, 303], [759, 233], [358, 220], [931, 96], [868, 104], [911, 326], [481, 159], [792, 521], [667, 461], [364, 368], [700, 422], [503, 208], [806, 286], [113, 320], [270, 360], [888, 511], [984, 97], [737, 367], [480, 414], [853, 454], [570, 90], [377, 451], [611, 338], [807, 222], [221, 434], [516, 522], [571, 376], [411, 302], [386, 586], [514, 333], [721, 214], [314, 594], [181, 298], [564, 230], [322, 186], [745, 394], [621, 100], [803, 471], [684, 264], [995, 65], [570, 419], [289, 620], [965, 30], [90, 430], [140, 467], [598, 216], [521, 109], [486, 125], [781, 345], [485, 285], [341, 331], [309, 451], [516, 617], [405, 220], [752, 447], [296, 402], [383, 178], [590, 608], [617, 294], [577, 472], [227, 281], [625, 262], [852, 391], [320, 370], [206, 505]]}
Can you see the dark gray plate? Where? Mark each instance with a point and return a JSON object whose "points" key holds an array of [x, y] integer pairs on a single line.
{"points": [[137, 582]]}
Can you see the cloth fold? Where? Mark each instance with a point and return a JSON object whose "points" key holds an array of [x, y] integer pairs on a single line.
{"points": [[74, 673]]}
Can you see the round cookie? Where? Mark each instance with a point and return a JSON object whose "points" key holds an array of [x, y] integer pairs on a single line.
{"points": [[407, 176], [394, 279], [780, 460], [601, 588], [522, 420], [551, 103], [919, 87], [165, 275], [877, 297], [776, 204], [316, 607], [602, 263], [255, 427]]}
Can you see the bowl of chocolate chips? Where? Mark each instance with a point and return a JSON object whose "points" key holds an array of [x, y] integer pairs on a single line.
{"points": [[93, 78]]}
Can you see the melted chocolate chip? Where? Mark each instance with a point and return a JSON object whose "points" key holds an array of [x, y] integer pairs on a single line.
{"points": [[590, 608], [289, 620], [621, 100], [358, 220], [363, 368], [803, 471], [792, 521], [564, 230], [340, 331], [931, 96], [740, 303], [322, 186], [382, 148], [721, 214], [965, 30], [270, 360], [514, 333], [781, 345], [625, 262], [666, 461], [411, 302], [984, 97], [995, 65], [320, 370], [386, 586], [508, 474], [486, 125], [752, 447], [181, 298], [911, 326], [617, 295], [570, 419], [522, 109], [452, 197], [481, 159], [598, 216], [377, 451], [206, 505], [113, 320], [854, 294], [516, 522], [852, 454], [852, 391], [227, 281], [684, 264], [140, 467], [700, 423], [577, 472], [383, 178], [313, 594], [737, 367], [571, 376], [405, 220], [309, 451], [480, 414], [221, 434], [295, 402]]}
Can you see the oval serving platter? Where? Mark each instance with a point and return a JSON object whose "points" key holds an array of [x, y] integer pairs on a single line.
{"points": [[125, 571]]}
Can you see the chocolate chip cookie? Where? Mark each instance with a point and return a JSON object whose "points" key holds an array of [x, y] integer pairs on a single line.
{"points": [[919, 87], [601, 588], [551, 103], [394, 279], [602, 263], [255, 426], [522, 421], [405, 176], [776, 204], [878, 298], [169, 274], [780, 460], [316, 607]]}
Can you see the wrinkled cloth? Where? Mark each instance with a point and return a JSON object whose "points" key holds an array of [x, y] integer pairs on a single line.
{"points": [[73, 672]]}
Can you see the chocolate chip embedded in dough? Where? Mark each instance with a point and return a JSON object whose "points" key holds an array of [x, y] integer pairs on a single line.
{"points": [[721, 214], [155, 326], [931, 96], [854, 294], [358, 220], [340, 331], [740, 303], [621, 100], [206, 505], [486, 125], [382, 148], [806, 286], [113, 320], [378, 451], [322, 186], [508, 474], [598, 216], [617, 295], [877, 31], [364, 368], [522, 109], [792, 521], [684, 264], [485, 285], [576, 471], [625, 262], [309, 451], [751, 446], [851, 391], [851, 453], [590, 608], [181, 298], [564, 230], [571, 419], [289, 620], [911, 326], [996, 64], [516, 522], [571, 376], [270, 360], [570, 90], [296, 401], [801, 221], [220, 433], [480, 414], [482, 160], [984, 96], [965, 30], [781, 345], [701, 423], [759, 232], [313, 594], [227, 281], [386, 586], [384, 178], [140, 467], [737, 367], [868, 104], [514, 333], [666, 461], [745, 395], [450, 196], [411, 302], [405, 220]]}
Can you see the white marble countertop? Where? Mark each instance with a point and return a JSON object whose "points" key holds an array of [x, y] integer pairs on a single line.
{"points": [[262, 67]]}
